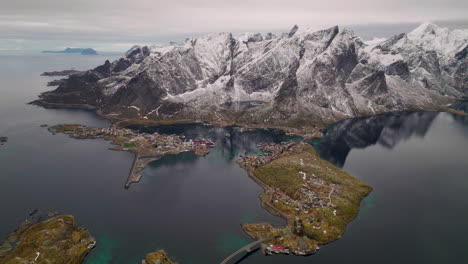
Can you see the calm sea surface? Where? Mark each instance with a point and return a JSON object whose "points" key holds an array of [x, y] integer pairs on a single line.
{"points": [[192, 206]]}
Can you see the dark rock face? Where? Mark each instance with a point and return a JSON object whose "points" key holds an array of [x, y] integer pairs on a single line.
{"points": [[255, 38], [60, 73], [323, 76], [139, 91], [293, 31], [399, 68], [373, 84], [269, 36], [461, 55], [104, 70], [122, 64], [387, 45]]}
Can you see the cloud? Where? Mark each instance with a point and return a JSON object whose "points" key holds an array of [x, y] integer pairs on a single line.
{"points": [[123, 21]]}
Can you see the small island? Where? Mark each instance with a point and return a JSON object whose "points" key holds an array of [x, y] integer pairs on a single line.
{"points": [[157, 257], [82, 51], [3, 140], [55, 239], [147, 147], [52, 238], [316, 198]]}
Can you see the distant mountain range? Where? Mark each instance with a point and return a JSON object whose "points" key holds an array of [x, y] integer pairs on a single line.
{"points": [[86, 51], [299, 77]]}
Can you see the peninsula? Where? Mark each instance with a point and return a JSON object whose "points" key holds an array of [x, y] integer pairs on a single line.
{"points": [[146, 147], [316, 198]]}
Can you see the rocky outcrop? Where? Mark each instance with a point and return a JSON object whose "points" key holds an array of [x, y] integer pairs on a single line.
{"points": [[157, 257], [301, 76], [47, 240]]}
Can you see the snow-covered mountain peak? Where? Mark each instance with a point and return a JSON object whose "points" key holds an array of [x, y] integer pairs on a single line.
{"points": [[423, 29], [132, 49], [304, 31], [305, 74], [444, 41]]}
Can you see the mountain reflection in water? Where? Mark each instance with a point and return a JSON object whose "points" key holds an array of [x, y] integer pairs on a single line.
{"points": [[230, 141], [387, 130]]}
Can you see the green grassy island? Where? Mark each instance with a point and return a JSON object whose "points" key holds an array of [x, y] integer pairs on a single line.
{"points": [[315, 197], [53, 241], [157, 257]]}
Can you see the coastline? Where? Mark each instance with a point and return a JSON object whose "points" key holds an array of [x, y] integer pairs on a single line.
{"points": [[309, 129], [265, 203]]}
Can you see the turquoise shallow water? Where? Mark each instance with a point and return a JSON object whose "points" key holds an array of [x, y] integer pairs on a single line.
{"points": [[192, 206]]}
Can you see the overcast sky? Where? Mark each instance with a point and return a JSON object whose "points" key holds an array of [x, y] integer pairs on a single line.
{"points": [[116, 24]]}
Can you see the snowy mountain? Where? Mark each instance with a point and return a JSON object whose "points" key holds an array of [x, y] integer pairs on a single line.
{"points": [[302, 75]]}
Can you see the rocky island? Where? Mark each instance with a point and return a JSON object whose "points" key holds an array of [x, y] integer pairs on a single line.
{"points": [[147, 147], [56, 239], [82, 51], [157, 257], [316, 198]]}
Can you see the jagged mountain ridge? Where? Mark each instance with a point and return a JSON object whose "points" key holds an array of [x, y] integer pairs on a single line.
{"points": [[323, 75]]}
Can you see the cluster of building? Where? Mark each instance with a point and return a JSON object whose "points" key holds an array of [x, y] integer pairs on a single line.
{"points": [[141, 140], [306, 132], [314, 192], [156, 140], [81, 131], [271, 151], [277, 249], [306, 198]]}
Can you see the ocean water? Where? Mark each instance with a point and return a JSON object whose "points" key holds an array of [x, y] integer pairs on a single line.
{"points": [[193, 206]]}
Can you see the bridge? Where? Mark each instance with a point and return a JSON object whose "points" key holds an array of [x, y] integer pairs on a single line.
{"points": [[245, 249]]}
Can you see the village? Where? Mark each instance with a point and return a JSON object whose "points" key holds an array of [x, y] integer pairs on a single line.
{"points": [[129, 140], [306, 190], [312, 193], [147, 147]]}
